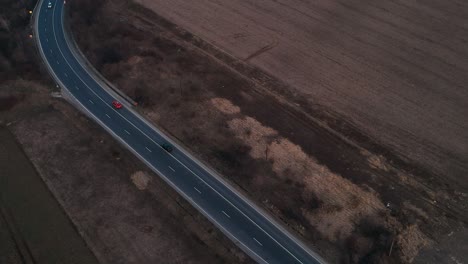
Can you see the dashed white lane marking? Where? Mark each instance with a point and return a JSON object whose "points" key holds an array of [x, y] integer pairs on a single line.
{"points": [[50, 50], [228, 216], [171, 168], [91, 101], [47, 39], [127, 132], [258, 242], [76, 87], [148, 149], [198, 191], [58, 62], [66, 75], [107, 115], [45, 29]]}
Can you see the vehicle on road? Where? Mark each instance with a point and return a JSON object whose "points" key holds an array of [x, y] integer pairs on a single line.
{"points": [[167, 147], [49, 5], [116, 104]]}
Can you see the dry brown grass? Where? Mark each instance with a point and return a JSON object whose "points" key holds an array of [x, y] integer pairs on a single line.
{"points": [[416, 210], [344, 203], [225, 106], [253, 134], [410, 241], [377, 162], [141, 180]]}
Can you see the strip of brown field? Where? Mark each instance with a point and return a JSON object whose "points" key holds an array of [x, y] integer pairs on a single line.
{"points": [[38, 227], [395, 70]]}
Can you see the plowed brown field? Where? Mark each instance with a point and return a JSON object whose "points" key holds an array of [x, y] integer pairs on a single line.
{"points": [[396, 70]]}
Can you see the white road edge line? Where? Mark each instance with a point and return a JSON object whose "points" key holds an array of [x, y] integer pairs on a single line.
{"points": [[171, 168], [258, 242], [53, 26], [228, 216], [198, 191], [148, 149]]}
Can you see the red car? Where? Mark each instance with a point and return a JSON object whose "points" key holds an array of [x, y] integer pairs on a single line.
{"points": [[116, 104]]}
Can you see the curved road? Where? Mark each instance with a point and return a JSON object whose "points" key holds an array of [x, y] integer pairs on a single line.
{"points": [[244, 223]]}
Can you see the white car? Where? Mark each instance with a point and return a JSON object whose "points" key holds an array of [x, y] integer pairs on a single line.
{"points": [[49, 5]]}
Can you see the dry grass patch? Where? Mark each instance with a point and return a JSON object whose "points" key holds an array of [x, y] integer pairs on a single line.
{"points": [[343, 203], [253, 134], [225, 106], [343, 207], [410, 241], [141, 180]]}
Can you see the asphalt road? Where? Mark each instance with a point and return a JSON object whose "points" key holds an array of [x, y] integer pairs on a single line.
{"points": [[248, 226]]}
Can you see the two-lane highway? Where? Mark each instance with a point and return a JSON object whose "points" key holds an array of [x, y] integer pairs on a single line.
{"points": [[248, 226]]}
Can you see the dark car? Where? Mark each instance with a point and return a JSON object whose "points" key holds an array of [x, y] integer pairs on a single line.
{"points": [[167, 147]]}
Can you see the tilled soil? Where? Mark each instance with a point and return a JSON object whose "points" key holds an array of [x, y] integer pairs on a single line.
{"points": [[351, 202], [395, 70]]}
